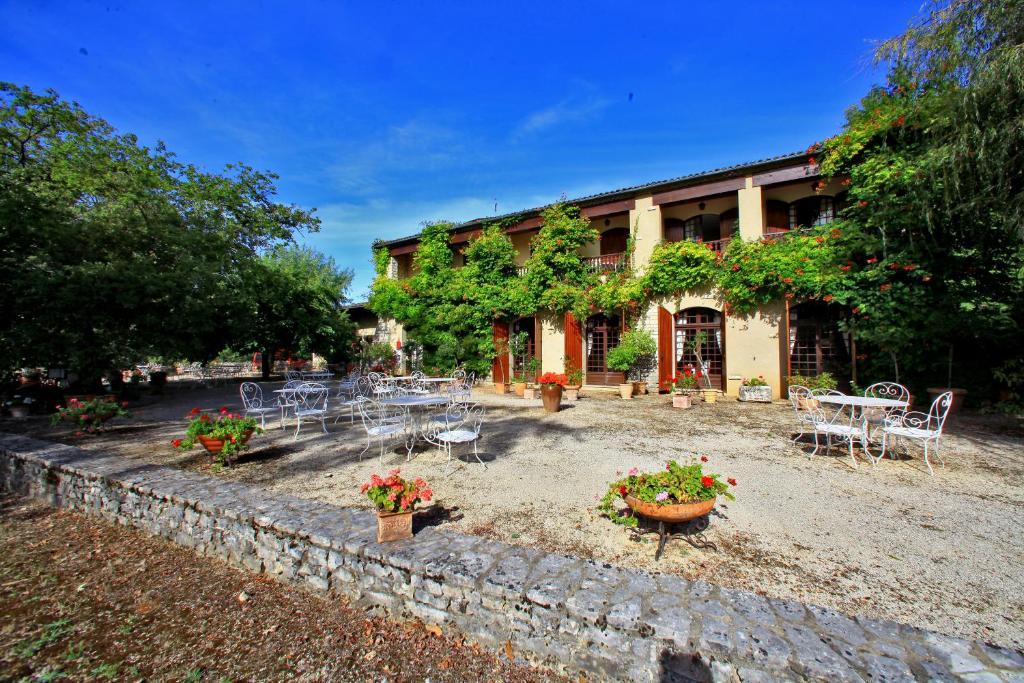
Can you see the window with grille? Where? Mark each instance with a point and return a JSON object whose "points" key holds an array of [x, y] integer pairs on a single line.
{"points": [[811, 211], [689, 323], [816, 344]]}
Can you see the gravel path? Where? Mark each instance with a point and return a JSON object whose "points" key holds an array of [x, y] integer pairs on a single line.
{"points": [[890, 541]]}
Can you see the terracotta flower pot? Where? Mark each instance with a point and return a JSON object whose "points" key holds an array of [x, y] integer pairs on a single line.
{"points": [[681, 401], [679, 512], [500, 388], [519, 388], [710, 395], [214, 446], [626, 390], [394, 526], [552, 395], [572, 393], [529, 393], [639, 388]]}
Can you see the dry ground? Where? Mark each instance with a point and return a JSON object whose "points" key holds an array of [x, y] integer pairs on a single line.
{"points": [[85, 600], [890, 541]]}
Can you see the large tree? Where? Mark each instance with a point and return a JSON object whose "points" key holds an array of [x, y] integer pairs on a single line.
{"points": [[110, 250], [935, 160]]}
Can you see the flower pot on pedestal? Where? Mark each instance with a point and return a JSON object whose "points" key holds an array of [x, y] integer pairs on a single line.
{"points": [[529, 393], [681, 401], [572, 393], [394, 526]]}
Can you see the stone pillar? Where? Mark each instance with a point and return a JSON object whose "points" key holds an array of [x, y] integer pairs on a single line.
{"points": [[646, 230], [751, 211]]}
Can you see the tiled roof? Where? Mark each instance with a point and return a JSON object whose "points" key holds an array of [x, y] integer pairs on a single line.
{"points": [[683, 180]]}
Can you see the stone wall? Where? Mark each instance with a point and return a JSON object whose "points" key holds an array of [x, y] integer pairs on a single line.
{"points": [[560, 611]]}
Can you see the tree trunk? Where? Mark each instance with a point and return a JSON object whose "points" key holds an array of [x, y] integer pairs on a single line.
{"points": [[267, 363]]}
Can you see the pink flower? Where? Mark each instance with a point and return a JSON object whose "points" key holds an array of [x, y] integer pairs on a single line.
{"points": [[661, 497], [633, 472]]}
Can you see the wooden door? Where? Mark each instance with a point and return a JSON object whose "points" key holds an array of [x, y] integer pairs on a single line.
{"points": [[499, 368], [602, 335], [666, 332], [573, 343]]}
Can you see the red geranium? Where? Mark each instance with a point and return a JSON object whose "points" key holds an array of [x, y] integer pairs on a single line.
{"points": [[732, 482], [707, 482], [703, 458], [551, 379]]}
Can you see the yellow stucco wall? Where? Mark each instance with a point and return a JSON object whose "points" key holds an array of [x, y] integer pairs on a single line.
{"points": [[645, 221], [552, 345], [751, 210]]}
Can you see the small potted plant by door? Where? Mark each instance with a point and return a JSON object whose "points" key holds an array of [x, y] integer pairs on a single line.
{"points": [[755, 389], [678, 493], [621, 360], [395, 499], [518, 346], [222, 436], [551, 385], [532, 366], [684, 389], [573, 381]]}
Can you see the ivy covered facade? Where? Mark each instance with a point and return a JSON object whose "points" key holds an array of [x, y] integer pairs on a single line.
{"points": [[746, 254]]}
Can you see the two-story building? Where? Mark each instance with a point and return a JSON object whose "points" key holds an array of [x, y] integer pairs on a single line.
{"points": [[747, 201]]}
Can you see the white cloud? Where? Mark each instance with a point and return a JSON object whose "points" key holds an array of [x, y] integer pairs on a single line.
{"points": [[571, 109]]}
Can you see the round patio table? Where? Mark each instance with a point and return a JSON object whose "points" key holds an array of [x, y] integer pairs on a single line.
{"points": [[415, 421], [858, 406]]}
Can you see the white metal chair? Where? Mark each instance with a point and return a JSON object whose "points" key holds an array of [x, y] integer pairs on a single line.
{"points": [[310, 404], [459, 392], [838, 425], [462, 425], [286, 397], [252, 400], [382, 423], [879, 417], [924, 428], [351, 397], [416, 386], [293, 375], [798, 398]]}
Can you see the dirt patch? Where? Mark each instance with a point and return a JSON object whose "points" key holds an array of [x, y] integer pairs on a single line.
{"points": [[86, 600]]}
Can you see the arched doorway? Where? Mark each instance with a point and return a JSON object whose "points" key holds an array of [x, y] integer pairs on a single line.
{"points": [[689, 323], [602, 334]]}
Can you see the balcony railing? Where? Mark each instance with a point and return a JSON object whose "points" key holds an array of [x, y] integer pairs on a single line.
{"points": [[606, 263]]}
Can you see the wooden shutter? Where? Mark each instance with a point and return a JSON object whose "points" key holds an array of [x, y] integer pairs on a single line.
{"points": [[499, 368], [573, 342], [666, 355]]}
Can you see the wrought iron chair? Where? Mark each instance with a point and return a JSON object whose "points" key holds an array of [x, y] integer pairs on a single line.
{"points": [[924, 428], [462, 425], [417, 387], [351, 397], [877, 418], [292, 375], [459, 392], [286, 397], [798, 398], [838, 425], [252, 400], [310, 404], [382, 423]]}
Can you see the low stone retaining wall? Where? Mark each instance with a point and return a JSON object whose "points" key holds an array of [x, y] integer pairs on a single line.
{"points": [[556, 610]]}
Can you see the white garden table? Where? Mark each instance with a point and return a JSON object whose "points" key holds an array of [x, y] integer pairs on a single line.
{"points": [[859, 406], [409, 403], [438, 382]]}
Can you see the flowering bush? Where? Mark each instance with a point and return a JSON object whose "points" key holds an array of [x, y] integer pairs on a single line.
{"points": [[89, 416], [758, 381], [687, 483], [394, 494], [549, 380], [231, 428], [573, 374]]}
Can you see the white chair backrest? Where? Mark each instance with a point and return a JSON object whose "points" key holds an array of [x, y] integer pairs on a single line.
{"points": [[465, 416], [939, 410], [311, 397], [252, 395], [459, 392], [292, 375], [376, 414], [459, 374], [890, 390], [796, 393], [825, 392], [471, 378]]}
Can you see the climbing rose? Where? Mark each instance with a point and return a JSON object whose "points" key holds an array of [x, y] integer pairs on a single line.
{"points": [[707, 482]]}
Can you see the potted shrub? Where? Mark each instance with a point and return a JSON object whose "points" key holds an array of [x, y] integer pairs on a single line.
{"points": [[518, 346], [221, 436], [551, 386], [633, 356], [678, 493], [756, 389], [395, 499], [684, 388], [530, 376], [573, 381], [90, 415]]}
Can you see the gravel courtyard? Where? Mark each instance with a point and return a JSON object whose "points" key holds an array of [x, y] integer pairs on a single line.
{"points": [[889, 541]]}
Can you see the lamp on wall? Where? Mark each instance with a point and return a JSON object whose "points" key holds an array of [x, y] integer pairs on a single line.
{"points": [[607, 222], [701, 206]]}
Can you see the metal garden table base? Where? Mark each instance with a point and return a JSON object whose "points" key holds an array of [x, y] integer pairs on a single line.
{"points": [[692, 532]]}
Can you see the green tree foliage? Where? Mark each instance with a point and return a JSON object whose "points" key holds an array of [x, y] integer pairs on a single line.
{"points": [[111, 251], [935, 160], [295, 298]]}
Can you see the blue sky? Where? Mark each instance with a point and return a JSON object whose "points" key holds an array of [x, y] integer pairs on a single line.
{"points": [[389, 114]]}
